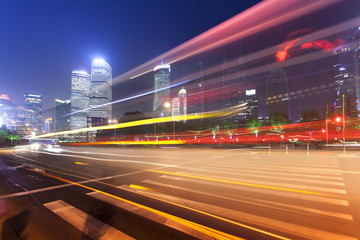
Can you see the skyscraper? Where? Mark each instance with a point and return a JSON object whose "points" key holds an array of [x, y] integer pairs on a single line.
{"points": [[101, 92], [277, 92], [251, 100], [183, 101], [61, 119], [162, 90], [345, 76], [356, 39], [179, 104], [33, 108], [80, 87], [48, 125]]}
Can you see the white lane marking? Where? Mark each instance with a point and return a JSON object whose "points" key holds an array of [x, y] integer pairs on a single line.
{"points": [[275, 173], [276, 193], [89, 225], [282, 165], [107, 160], [291, 228], [263, 174], [258, 202], [150, 215], [66, 185], [287, 169], [44, 163], [274, 184], [113, 154]]}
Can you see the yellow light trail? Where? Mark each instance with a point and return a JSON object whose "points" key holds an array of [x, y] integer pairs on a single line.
{"points": [[241, 183], [160, 142], [193, 116]]}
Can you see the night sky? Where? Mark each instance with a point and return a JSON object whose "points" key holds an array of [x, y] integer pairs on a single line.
{"points": [[41, 42]]}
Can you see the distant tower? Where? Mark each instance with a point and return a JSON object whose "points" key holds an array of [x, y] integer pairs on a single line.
{"points": [[80, 87], [61, 119], [33, 108], [345, 76], [179, 104], [250, 98], [48, 125], [357, 67], [101, 92], [277, 92], [183, 101], [161, 81]]}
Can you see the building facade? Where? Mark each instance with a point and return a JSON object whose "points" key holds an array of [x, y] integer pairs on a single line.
{"points": [[162, 90], [33, 109], [101, 92], [61, 119], [80, 88], [277, 100], [252, 106]]}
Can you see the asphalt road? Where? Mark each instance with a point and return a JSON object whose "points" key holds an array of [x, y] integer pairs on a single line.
{"points": [[178, 193]]}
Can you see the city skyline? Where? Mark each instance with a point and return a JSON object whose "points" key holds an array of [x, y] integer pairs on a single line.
{"points": [[87, 43]]}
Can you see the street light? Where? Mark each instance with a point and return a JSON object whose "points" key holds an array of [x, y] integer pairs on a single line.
{"points": [[168, 105]]}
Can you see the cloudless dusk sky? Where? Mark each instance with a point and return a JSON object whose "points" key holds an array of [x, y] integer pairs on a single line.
{"points": [[41, 42]]}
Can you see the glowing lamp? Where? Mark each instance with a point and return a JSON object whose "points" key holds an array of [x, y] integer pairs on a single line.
{"points": [[338, 119]]}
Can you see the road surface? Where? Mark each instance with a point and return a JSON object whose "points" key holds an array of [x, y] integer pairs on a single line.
{"points": [[178, 193]]}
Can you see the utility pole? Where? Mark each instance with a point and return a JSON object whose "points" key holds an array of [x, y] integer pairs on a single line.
{"points": [[343, 129]]}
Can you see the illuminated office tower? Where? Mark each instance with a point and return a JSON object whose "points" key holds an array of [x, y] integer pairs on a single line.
{"points": [[356, 39], [33, 108], [100, 94], [48, 125], [183, 101], [345, 76], [251, 100], [277, 92], [162, 91], [61, 119], [80, 87]]}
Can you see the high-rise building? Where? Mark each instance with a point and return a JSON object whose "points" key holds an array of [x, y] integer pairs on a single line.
{"points": [[80, 87], [356, 39], [175, 106], [183, 101], [48, 125], [277, 92], [8, 111], [61, 119], [345, 76], [162, 90], [33, 108], [251, 100], [101, 92], [179, 104]]}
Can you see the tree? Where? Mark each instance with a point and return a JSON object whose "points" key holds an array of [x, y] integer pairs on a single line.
{"points": [[278, 119], [312, 115]]}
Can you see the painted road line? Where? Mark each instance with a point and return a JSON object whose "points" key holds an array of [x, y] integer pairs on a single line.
{"points": [[107, 160], [275, 173], [241, 183], [333, 171], [211, 233], [294, 195], [281, 186], [272, 223], [84, 222], [183, 221], [279, 168], [264, 175], [253, 201]]}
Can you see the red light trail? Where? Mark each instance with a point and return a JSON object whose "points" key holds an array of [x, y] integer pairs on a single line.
{"points": [[323, 44]]}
